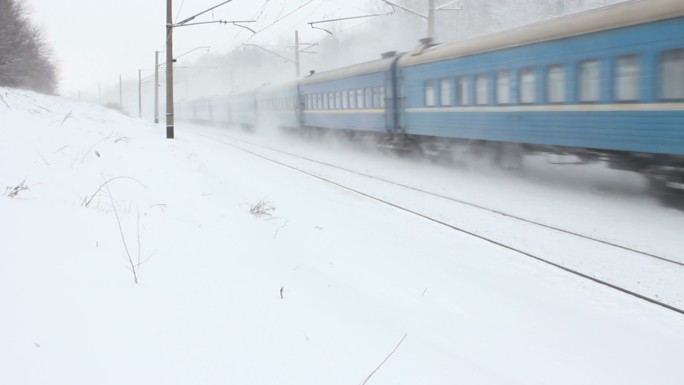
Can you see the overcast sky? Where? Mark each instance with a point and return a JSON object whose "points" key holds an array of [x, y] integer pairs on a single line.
{"points": [[96, 40]]}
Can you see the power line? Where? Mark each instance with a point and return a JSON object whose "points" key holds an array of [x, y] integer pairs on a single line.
{"points": [[179, 11], [283, 18]]}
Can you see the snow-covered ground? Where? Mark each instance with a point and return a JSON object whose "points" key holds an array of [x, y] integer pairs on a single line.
{"points": [[320, 291]]}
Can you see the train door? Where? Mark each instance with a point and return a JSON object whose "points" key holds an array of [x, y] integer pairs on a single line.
{"points": [[393, 102], [299, 107]]}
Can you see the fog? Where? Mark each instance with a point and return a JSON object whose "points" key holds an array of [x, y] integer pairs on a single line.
{"points": [[253, 63]]}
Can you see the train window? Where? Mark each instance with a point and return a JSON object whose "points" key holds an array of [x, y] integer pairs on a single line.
{"points": [[345, 99], [528, 86], [352, 99], [627, 78], [445, 92], [555, 84], [376, 97], [368, 92], [672, 75], [430, 93], [382, 97], [359, 98], [589, 85], [481, 89], [463, 89], [503, 87]]}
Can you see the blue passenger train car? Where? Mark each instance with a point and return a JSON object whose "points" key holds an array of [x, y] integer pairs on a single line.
{"points": [[605, 84], [242, 109], [278, 105], [351, 98], [608, 79]]}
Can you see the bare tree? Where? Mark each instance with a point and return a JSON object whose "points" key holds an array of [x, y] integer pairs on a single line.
{"points": [[25, 59]]}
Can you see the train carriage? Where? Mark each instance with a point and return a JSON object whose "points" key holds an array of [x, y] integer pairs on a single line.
{"points": [[352, 98], [278, 105], [606, 84], [242, 109], [609, 80]]}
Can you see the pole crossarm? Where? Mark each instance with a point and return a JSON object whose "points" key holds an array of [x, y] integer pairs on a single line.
{"points": [[236, 23], [444, 7], [191, 18], [409, 10], [269, 51], [440, 8], [432, 10], [311, 24], [207, 47]]}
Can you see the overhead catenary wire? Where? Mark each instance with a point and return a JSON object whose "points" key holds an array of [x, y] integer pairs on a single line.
{"points": [[278, 20], [180, 9]]}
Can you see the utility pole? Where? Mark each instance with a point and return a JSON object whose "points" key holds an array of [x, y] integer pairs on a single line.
{"points": [[431, 18], [156, 87], [169, 69], [297, 53], [169, 53], [139, 93]]}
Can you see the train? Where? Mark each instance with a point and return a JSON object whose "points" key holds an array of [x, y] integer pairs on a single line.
{"points": [[600, 85]]}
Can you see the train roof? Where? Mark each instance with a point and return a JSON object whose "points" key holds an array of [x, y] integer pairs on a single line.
{"points": [[370, 67], [600, 19]]}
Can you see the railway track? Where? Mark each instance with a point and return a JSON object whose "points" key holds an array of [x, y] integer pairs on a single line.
{"points": [[669, 303]]}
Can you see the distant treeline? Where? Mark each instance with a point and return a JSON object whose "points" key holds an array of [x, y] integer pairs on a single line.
{"points": [[25, 59]]}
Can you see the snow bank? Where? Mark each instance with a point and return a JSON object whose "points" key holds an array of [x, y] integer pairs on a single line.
{"points": [[319, 292]]}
